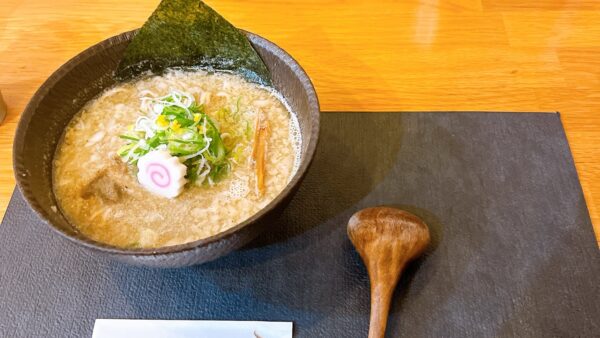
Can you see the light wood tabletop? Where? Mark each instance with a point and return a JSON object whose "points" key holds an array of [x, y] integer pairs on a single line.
{"points": [[362, 55]]}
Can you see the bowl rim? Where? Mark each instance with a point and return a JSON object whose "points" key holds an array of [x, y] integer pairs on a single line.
{"points": [[46, 86]]}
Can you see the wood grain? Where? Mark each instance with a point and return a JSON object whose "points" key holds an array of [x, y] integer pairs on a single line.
{"points": [[362, 55]]}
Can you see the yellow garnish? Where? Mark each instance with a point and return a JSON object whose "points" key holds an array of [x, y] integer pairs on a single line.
{"points": [[201, 129], [130, 127], [196, 117], [221, 113], [175, 126], [161, 121]]}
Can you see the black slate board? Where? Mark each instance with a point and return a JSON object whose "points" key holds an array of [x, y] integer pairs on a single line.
{"points": [[513, 250]]}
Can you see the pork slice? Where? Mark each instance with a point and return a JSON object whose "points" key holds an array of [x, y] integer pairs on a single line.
{"points": [[108, 184]]}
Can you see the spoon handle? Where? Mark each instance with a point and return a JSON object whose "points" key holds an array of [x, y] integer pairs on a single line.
{"points": [[381, 296]]}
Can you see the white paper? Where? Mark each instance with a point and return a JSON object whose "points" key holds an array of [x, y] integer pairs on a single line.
{"points": [[138, 328]]}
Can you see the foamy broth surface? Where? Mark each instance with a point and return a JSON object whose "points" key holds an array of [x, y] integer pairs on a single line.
{"points": [[141, 219]]}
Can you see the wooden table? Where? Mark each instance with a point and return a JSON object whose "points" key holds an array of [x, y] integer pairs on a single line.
{"points": [[382, 55]]}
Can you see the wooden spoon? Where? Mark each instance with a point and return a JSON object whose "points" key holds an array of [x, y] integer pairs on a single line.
{"points": [[386, 239]]}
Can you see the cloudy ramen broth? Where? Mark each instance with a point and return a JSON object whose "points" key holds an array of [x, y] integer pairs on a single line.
{"points": [[95, 178]]}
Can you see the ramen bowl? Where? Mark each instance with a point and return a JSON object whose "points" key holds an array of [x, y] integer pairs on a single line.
{"points": [[85, 76]]}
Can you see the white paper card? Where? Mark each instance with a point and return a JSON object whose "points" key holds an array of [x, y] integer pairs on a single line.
{"points": [[138, 328]]}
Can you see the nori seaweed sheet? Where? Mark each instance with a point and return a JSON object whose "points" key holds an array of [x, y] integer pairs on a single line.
{"points": [[188, 33]]}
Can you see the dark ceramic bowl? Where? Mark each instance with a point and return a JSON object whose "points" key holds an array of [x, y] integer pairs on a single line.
{"points": [[84, 77]]}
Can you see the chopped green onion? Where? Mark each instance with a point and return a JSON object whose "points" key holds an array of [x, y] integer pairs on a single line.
{"points": [[127, 137], [186, 131]]}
